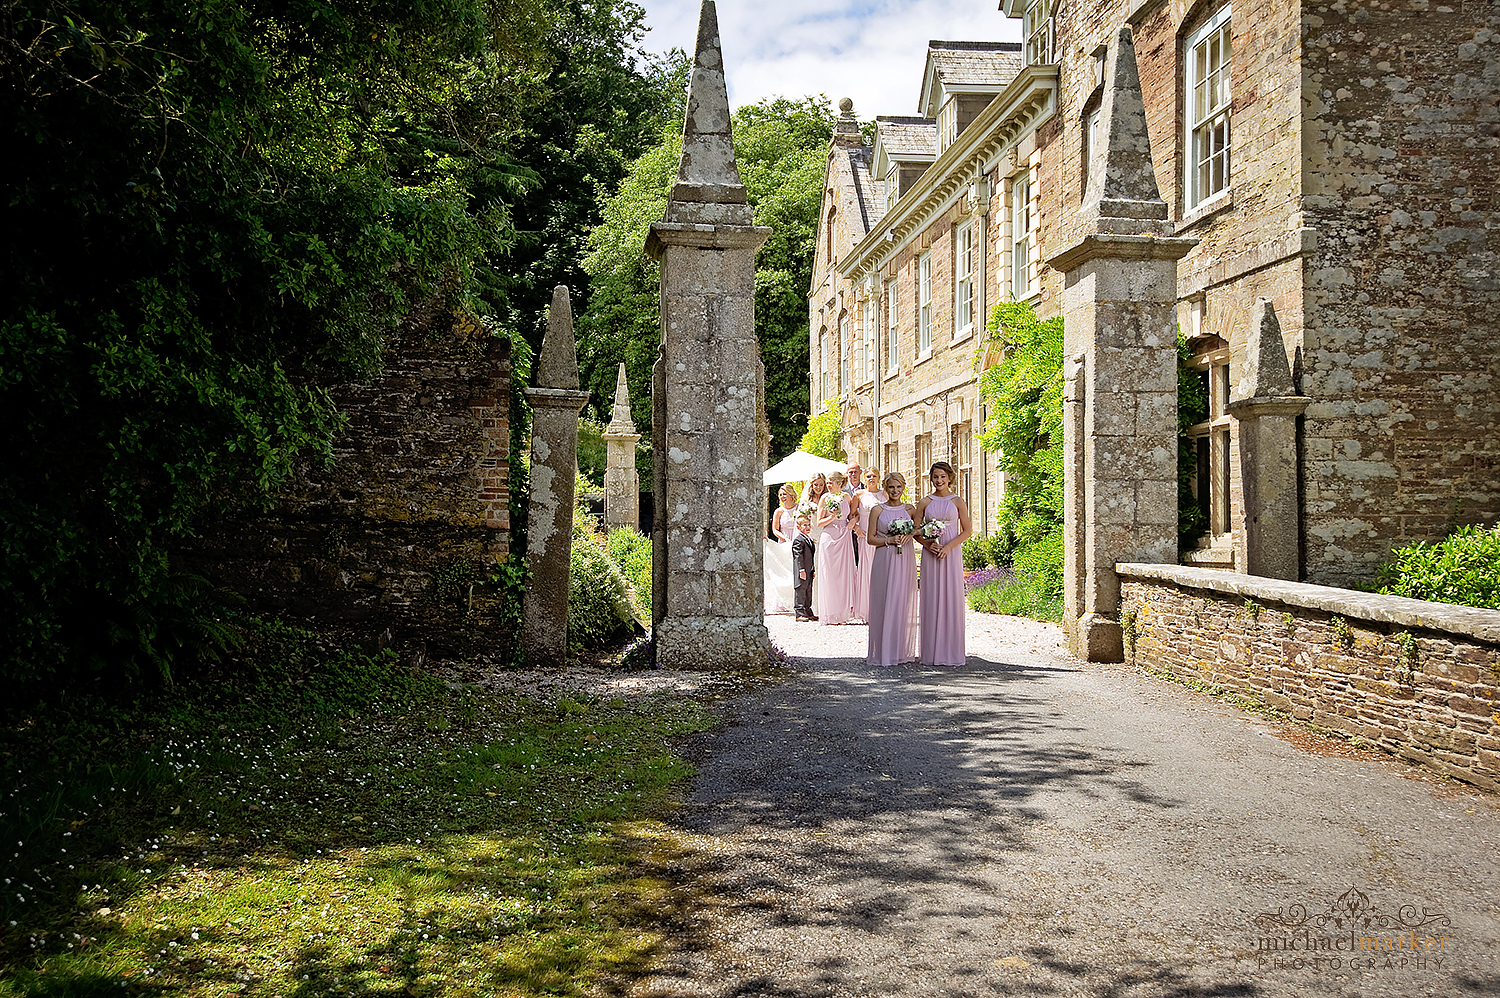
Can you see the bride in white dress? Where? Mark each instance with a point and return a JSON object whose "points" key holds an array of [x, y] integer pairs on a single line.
{"points": [[778, 553]]}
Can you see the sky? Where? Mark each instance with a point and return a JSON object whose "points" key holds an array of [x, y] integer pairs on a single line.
{"points": [[871, 51]]}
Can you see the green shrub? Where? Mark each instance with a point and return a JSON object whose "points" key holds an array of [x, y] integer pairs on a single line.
{"points": [[630, 550], [988, 550], [1463, 568], [599, 607]]}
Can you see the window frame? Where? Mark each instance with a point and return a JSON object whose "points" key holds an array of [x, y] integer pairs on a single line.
{"points": [[867, 334], [844, 347], [892, 326], [1037, 27], [962, 449], [1020, 236], [924, 306], [823, 394], [1215, 121], [963, 280]]}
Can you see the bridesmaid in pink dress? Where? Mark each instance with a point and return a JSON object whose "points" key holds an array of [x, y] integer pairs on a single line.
{"points": [[942, 595], [893, 581], [836, 578], [868, 500]]}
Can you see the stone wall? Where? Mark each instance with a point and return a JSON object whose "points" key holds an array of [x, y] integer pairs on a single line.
{"points": [[1402, 355], [404, 530], [1420, 680]]}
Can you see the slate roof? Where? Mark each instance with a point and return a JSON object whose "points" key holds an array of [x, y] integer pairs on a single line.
{"points": [[904, 137], [981, 63], [870, 195]]}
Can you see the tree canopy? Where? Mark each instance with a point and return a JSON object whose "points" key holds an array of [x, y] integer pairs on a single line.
{"points": [[214, 208], [781, 146]]}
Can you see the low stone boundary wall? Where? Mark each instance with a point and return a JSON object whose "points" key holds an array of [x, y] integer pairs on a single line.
{"points": [[1420, 680]]}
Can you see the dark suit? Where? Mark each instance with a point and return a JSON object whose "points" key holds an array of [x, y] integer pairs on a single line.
{"points": [[804, 558]]}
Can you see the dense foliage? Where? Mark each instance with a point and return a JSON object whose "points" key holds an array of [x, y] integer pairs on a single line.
{"points": [[1192, 408], [1462, 568], [824, 431], [214, 208], [1024, 393], [781, 146], [630, 550], [600, 611]]}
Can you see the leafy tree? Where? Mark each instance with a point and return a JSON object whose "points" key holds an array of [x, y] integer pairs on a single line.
{"points": [[214, 208], [598, 104], [780, 146]]}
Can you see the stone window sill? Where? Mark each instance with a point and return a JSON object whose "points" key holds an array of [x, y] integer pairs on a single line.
{"points": [[1206, 210], [923, 357]]}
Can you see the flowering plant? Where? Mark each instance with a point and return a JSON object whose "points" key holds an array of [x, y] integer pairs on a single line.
{"points": [[900, 528], [933, 529], [807, 509]]}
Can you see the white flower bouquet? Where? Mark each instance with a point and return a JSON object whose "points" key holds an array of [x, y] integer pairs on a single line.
{"points": [[900, 528], [933, 529]]}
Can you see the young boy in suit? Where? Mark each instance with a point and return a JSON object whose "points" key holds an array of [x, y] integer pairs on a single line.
{"points": [[804, 552]]}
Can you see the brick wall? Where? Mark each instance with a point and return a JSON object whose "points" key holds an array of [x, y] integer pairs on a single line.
{"points": [[404, 530], [1419, 680]]}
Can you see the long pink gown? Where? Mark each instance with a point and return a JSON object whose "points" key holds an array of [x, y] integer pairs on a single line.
{"points": [[836, 578], [893, 597], [867, 501], [942, 595]]}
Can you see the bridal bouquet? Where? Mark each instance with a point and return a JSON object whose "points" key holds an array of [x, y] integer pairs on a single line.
{"points": [[933, 529], [809, 510], [900, 528]]}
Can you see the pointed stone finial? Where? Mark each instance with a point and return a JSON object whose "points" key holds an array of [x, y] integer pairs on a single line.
{"points": [[707, 173], [1122, 180], [557, 367], [1268, 374], [620, 419]]}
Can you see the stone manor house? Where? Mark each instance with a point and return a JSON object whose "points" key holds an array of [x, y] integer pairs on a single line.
{"points": [[1337, 159]]}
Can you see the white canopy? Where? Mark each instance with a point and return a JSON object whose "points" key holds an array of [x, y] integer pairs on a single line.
{"points": [[799, 466]]}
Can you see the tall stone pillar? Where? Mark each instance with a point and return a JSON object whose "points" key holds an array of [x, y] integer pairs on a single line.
{"points": [[1266, 406], [555, 402], [1120, 341], [708, 423], [622, 483]]}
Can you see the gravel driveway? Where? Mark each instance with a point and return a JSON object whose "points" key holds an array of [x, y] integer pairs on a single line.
{"points": [[1034, 825]]}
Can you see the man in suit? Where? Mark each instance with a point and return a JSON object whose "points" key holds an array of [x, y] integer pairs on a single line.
{"points": [[804, 553]]}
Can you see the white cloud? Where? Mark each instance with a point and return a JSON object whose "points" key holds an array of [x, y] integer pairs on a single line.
{"points": [[871, 51]]}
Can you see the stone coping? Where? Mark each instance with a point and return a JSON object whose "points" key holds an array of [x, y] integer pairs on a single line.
{"points": [[1483, 625]]}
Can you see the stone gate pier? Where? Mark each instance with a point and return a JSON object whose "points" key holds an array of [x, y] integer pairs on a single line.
{"points": [[708, 404], [1120, 371]]}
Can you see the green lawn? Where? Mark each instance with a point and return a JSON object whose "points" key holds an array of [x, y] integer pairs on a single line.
{"points": [[335, 827]]}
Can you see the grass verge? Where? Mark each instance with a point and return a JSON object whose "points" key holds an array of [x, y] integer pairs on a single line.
{"points": [[325, 823]]}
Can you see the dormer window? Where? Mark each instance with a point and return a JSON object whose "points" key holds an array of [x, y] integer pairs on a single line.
{"points": [[947, 123], [1036, 24]]}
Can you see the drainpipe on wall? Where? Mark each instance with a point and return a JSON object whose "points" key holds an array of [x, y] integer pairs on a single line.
{"points": [[981, 199], [876, 457]]}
